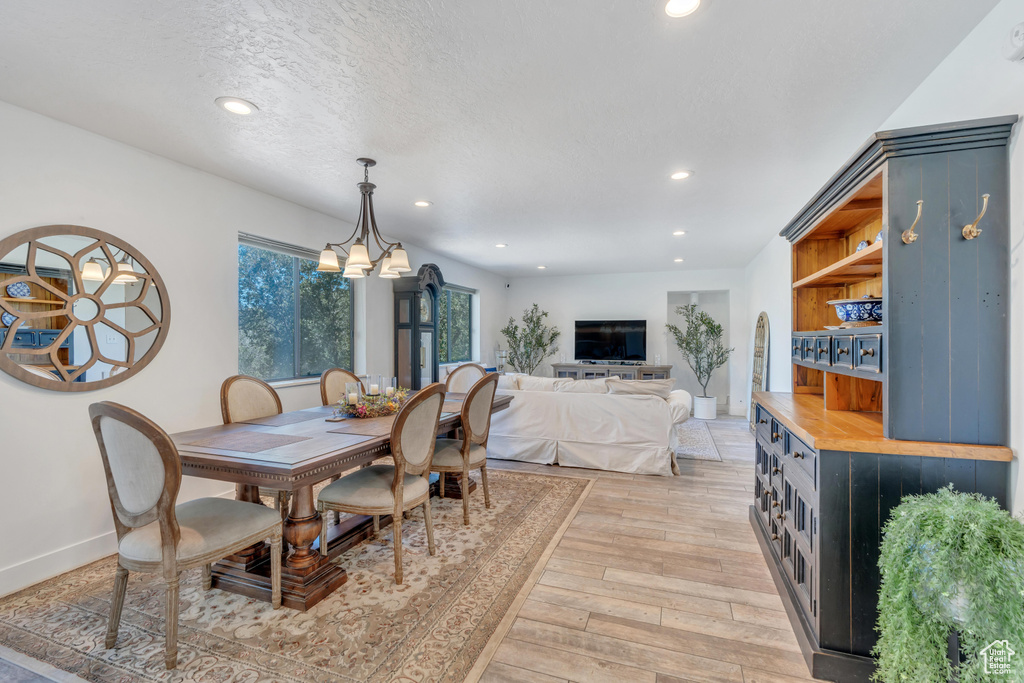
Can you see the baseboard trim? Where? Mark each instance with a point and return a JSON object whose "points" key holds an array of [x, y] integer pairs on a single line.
{"points": [[25, 574]]}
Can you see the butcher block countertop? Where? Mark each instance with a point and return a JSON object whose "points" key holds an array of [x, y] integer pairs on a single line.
{"points": [[841, 430]]}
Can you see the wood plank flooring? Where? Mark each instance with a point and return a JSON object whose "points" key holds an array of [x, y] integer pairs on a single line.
{"points": [[658, 579]]}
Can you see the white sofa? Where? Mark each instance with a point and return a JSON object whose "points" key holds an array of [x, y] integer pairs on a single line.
{"points": [[582, 423]]}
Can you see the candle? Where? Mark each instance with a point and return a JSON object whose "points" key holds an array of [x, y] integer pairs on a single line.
{"points": [[374, 389], [353, 398], [390, 391]]}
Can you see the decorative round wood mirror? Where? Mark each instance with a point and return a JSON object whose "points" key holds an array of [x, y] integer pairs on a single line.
{"points": [[759, 381], [79, 309]]}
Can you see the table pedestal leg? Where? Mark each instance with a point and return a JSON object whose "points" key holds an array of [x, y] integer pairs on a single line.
{"points": [[306, 576]]}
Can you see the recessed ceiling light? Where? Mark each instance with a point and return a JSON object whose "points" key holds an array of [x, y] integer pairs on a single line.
{"points": [[501, 246], [422, 203], [681, 8], [681, 175], [679, 233], [679, 260], [541, 267], [236, 105]]}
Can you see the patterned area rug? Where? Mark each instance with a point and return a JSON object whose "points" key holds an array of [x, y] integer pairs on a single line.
{"points": [[695, 441], [433, 628]]}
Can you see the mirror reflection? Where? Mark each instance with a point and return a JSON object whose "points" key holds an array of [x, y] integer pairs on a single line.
{"points": [[77, 308]]}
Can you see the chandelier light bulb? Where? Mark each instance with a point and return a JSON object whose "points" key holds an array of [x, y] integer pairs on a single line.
{"points": [[328, 261]]}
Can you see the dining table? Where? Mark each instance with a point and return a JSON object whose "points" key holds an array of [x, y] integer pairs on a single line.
{"points": [[293, 452]]}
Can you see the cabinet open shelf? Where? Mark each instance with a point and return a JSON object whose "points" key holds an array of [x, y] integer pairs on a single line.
{"points": [[49, 302], [860, 266]]}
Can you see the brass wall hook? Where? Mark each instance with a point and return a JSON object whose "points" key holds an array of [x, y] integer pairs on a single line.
{"points": [[971, 231], [910, 236]]}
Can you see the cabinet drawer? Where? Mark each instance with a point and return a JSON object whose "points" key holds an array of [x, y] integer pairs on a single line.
{"points": [[650, 374], [572, 374], [763, 421], [867, 353], [803, 456], [807, 349], [776, 436], [25, 339], [798, 348], [594, 372], [842, 351], [626, 374], [803, 576], [821, 350]]}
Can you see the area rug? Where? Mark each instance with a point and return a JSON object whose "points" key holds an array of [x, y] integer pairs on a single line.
{"points": [[695, 441], [432, 628]]}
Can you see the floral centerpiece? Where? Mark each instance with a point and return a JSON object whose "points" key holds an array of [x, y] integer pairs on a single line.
{"points": [[379, 405]]}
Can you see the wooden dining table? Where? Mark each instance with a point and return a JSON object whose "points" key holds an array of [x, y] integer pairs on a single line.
{"points": [[293, 452]]}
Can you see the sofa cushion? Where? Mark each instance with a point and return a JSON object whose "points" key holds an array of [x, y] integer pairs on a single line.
{"points": [[530, 383], [641, 387], [584, 386], [508, 382]]}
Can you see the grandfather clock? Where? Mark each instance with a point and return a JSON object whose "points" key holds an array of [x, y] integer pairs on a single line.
{"points": [[416, 312]]}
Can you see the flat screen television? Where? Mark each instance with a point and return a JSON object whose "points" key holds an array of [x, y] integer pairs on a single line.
{"points": [[611, 340]]}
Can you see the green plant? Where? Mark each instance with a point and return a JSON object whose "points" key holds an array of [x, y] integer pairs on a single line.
{"points": [[701, 343], [948, 561], [531, 344]]}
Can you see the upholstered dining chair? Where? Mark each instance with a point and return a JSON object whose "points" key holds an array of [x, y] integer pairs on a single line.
{"points": [[391, 490], [470, 452], [332, 385], [42, 372], [463, 377], [244, 398], [154, 535]]}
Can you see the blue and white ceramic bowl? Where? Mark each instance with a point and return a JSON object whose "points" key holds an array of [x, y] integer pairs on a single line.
{"points": [[19, 290], [868, 309]]}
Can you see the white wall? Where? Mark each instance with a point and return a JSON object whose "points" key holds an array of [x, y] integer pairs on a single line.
{"points": [[636, 296], [976, 81], [768, 283], [186, 222]]}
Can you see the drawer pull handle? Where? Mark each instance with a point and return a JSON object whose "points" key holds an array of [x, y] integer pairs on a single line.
{"points": [[867, 352], [775, 537], [762, 421], [779, 515], [821, 351], [775, 470], [798, 454], [776, 436], [775, 504], [842, 351]]}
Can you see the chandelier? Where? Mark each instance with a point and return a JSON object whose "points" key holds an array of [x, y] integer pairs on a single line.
{"points": [[393, 259]]}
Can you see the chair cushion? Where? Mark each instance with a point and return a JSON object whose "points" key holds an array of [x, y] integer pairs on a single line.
{"points": [[371, 488], [448, 453], [207, 525]]}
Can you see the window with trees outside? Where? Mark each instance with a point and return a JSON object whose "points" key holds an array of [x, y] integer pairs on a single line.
{"points": [[292, 321], [454, 325]]}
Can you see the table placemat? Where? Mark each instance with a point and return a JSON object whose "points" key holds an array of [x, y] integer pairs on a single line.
{"points": [[452, 407], [369, 426], [248, 442], [284, 419]]}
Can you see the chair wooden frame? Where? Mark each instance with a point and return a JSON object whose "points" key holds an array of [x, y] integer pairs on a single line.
{"points": [[468, 439], [280, 497], [350, 376], [398, 483], [163, 512], [456, 371]]}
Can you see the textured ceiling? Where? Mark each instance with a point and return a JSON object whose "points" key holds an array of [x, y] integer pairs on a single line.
{"points": [[551, 126]]}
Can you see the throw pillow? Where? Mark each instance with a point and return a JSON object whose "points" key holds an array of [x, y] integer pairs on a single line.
{"points": [[508, 382], [641, 387], [584, 386], [530, 383]]}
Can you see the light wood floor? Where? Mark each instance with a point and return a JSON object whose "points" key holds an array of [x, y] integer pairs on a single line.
{"points": [[658, 579]]}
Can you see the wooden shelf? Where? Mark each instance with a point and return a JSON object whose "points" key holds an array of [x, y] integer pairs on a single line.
{"points": [[860, 266], [860, 432], [48, 302]]}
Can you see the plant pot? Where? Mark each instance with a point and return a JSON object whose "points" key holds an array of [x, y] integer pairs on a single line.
{"points": [[705, 407]]}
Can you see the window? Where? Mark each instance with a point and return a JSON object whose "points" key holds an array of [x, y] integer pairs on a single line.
{"points": [[292, 321], [454, 325]]}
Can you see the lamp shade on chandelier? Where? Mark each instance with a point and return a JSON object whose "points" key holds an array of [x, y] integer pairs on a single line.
{"points": [[393, 259]]}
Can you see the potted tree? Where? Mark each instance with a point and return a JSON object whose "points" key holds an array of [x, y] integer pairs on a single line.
{"points": [[703, 350], [532, 343]]}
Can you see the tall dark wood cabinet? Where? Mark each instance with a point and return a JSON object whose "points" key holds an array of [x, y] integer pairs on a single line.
{"points": [[416, 342], [902, 406]]}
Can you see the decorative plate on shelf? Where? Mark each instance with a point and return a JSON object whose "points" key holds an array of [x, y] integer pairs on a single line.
{"points": [[7, 318], [19, 290]]}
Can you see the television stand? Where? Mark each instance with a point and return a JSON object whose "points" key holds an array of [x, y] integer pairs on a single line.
{"points": [[593, 371]]}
